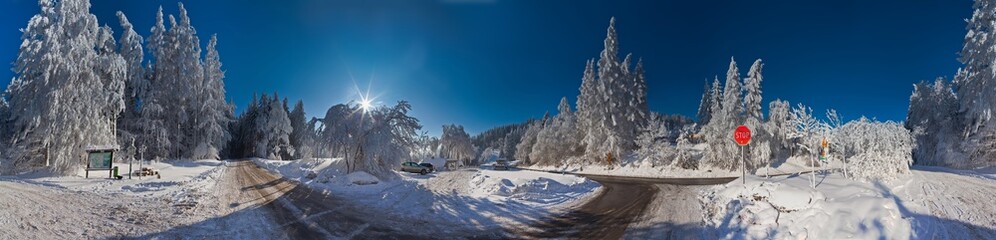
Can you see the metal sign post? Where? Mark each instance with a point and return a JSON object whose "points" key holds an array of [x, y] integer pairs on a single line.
{"points": [[742, 136]]}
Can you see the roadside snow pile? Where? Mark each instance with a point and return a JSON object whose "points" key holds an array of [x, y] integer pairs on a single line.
{"points": [[306, 170], [531, 187], [362, 178], [787, 207]]}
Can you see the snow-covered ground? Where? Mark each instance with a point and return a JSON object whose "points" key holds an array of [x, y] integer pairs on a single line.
{"points": [[99, 207], [792, 165], [925, 204], [445, 201]]}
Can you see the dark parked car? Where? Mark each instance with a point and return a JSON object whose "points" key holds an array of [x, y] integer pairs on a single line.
{"points": [[413, 167], [500, 164], [429, 166]]}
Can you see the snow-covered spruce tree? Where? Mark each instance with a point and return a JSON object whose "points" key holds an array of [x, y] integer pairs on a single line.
{"points": [[130, 48], [183, 91], [212, 113], [559, 141], [716, 104], [733, 105], [154, 136], [932, 120], [759, 150], [612, 103], [722, 152], [876, 150], [67, 72], [112, 69], [186, 84], [276, 128], [705, 103], [302, 137], [976, 90]]}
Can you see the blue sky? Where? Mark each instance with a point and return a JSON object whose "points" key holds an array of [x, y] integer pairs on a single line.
{"points": [[488, 63]]}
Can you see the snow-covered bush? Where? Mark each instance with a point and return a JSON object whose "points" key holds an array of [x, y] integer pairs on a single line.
{"points": [[876, 150], [653, 145], [684, 158], [778, 128], [559, 140]]}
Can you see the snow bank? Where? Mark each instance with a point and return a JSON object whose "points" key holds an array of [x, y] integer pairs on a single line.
{"points": [[529, 186], [362, 178], [306, 170], [787, 207]]}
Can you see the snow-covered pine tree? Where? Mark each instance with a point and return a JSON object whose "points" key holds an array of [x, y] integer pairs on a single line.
{"points": [[759, 150], [705, 103], [212, 113], [187, 84], [130, 48], [733, 105], [722, 151], [639, 108], [301, 136], [613, 107], [155, 137], [716, 103], [976, 90]]}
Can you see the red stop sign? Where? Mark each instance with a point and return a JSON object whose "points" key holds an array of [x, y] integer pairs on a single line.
{"points": [[742, 135]]}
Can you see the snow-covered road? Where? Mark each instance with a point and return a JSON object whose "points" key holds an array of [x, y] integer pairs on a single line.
{"points": [[948, 203], [631, 207], [261, 205]]}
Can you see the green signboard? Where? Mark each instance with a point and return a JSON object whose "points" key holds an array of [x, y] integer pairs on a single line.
{"points": [[100, 160]]}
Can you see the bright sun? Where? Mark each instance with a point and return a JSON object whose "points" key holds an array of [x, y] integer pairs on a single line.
{"points": [[365, 104]]}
